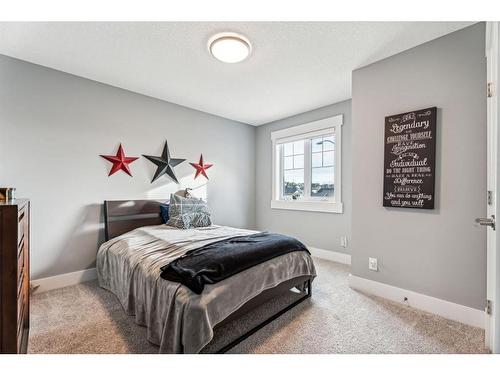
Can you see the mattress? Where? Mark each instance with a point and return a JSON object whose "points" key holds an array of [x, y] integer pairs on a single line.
{"points": [[178, 320]]}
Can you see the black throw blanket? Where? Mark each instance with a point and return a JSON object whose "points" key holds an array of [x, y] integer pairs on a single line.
{"points": [[219, 260]]}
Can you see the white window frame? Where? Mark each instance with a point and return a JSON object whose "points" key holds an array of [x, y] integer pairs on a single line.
{"points": [[311, 129]]}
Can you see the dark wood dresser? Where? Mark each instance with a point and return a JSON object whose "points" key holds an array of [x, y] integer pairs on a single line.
{"points": [[14, 275]]}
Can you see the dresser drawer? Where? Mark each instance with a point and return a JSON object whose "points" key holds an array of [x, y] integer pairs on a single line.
{"points": [[21, 219], [20, 331], [22, 302], [20, 247], [22, 315], [20, 266], [20, 305]]}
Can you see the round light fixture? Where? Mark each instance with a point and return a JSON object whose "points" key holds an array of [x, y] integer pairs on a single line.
{"points": [[229, 47]]}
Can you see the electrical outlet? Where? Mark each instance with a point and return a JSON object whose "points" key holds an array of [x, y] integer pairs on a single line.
{"points": [[373, 264], [343, 241]]}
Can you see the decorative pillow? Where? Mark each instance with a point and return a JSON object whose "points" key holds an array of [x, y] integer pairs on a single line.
{"points": [[188, 213], [164, 212]]}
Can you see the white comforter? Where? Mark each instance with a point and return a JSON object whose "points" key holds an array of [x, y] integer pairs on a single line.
{"points": [[178, 320]]}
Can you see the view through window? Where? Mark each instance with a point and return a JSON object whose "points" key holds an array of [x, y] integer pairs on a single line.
{"points": [[293, 169], [322, 166], [308, 168]]}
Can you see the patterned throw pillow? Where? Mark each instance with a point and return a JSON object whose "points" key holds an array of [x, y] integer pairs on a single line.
{"points": [[188, 213]]}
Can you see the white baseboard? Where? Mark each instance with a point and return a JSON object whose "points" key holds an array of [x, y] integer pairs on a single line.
{"points": [[66, 279], [446, 309], [334, 256]]}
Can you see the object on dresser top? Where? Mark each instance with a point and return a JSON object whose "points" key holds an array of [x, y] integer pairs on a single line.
{"points": [[7, 194], [188, 213], [14, 275]]}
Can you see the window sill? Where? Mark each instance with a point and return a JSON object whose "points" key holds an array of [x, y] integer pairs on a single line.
{"points": [[315, 206]]}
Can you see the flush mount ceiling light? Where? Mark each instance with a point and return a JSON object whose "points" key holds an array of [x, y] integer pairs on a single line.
{"points": [[229, 47]]}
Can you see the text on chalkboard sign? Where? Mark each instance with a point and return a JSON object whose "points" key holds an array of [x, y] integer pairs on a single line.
{"points": [[409, 159]]}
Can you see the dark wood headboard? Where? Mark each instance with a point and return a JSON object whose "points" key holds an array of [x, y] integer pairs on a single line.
{"points": [[123, 216]]}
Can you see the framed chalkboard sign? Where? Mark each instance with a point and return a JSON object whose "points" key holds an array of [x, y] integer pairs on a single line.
{"points": [[410, 159]]}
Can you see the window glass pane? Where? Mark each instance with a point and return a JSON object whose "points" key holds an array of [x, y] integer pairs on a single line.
{"points": [[329, 143], [328, 158], [293, 183], [316, 159], [316, 144], [298, 161], [288, 149], [298, 147], [294, 175], [322, 182], [288, 162]]}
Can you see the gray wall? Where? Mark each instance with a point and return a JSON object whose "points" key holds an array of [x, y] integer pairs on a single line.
{"points": [[317, 229], [437, 252], [53, 126]]}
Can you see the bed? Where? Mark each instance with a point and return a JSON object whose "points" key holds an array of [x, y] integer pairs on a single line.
{"points": [[138, 244]]}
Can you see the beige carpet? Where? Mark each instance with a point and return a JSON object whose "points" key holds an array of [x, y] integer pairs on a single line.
{"points": [[88, 319]]}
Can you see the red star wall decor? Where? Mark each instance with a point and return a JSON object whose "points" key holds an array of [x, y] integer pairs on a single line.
{"points": [[201, 167], [120, 161]]}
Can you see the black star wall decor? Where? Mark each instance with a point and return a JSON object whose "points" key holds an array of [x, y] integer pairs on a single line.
{"points": [[164, 163]]}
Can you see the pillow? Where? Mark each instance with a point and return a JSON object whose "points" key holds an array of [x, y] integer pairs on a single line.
{"points": [[188, 212], [191, 220], [164, 212]]}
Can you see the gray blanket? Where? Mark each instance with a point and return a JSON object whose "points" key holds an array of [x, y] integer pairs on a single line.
{"points": [[178, 320]]}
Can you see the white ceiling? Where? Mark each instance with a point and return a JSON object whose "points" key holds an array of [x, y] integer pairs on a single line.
{"points": [[294, 66]]}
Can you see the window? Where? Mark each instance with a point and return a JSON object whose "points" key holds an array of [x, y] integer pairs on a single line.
{"points": [[306, 166]]}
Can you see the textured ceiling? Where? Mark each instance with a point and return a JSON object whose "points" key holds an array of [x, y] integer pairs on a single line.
{"points": [[294, 66]]}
